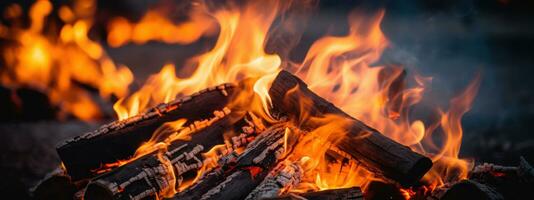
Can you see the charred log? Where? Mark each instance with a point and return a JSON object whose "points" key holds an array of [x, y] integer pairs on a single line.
{"points": [[120, 139], [354, 193], [513, 182], [55, 186], [376, 152], [468, 189], [155, 173]]}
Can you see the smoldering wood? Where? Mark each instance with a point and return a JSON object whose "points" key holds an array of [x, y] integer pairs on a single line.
{"points": [[226, 164], [254, 164], [210, 179], [151, 174], [120, 139], [236, 179], [376, 152], [283, 177], [353, 193], [469, 189], [513, 182]]}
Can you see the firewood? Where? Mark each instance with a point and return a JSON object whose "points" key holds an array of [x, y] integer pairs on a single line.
{"points": [[155, 173], [250, 168], [469, 189], [354, 193], [120, 139], [376, 152], [513, 182], [57, 185]]}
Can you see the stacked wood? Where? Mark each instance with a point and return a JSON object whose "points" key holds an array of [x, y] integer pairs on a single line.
{"points": [[376, 152], [120, 139], [237, 179], [157, 172], [353, 193]]}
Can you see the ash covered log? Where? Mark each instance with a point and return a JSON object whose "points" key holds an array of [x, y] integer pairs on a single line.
{"points": [[376, 152], [120, 139], [239, 178], [354, 193], [158, 172]]}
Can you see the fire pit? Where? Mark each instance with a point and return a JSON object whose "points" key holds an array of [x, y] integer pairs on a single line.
{"points": [[242, 119]]}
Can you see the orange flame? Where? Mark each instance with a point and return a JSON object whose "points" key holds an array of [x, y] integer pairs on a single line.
{"points": [[56, 63]]}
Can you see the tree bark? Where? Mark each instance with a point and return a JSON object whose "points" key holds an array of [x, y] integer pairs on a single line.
{"points": [[120, 139], [376, 152]]}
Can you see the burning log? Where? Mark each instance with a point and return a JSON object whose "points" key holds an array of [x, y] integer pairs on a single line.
{"points": [[120, 139], [156, 173], [377, 153], [354, 193], [239, 178]]}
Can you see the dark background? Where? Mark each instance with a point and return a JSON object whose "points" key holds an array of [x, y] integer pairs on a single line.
{"points": [[448, 40]]}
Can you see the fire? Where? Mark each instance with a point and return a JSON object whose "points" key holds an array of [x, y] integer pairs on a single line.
{"points": [[58, 63], [228, 61], [341, 69]]}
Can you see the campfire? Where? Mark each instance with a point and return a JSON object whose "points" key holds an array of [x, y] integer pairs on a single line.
{"points": [[245, 121]]}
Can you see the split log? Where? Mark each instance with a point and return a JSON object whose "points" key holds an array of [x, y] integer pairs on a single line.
{"points": [[120, 139], [158, 172], [354, 193], [376, 152], [250, 168]]}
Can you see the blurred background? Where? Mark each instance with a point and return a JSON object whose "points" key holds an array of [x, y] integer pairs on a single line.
{"points": [[450, 41]]}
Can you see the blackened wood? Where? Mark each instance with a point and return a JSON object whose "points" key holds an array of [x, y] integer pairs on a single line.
{"points": [[377, 153], [468, 189], [55, 186], [149, 175], [354, 193], [120, 139], [513, 182]]}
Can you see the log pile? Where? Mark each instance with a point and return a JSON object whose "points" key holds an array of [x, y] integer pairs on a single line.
{"points": [[253, 158]]}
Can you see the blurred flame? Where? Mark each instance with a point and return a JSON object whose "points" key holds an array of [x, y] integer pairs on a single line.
{"points": [[155, 26], [56, 64]]}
